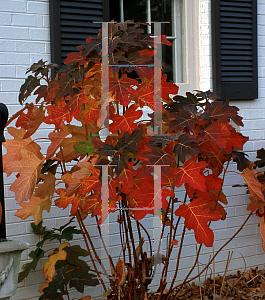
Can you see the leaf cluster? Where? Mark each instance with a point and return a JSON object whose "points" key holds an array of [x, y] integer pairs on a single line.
{"points": [[196, 144]]}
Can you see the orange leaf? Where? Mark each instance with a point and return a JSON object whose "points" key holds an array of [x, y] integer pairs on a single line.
{"points": [[197, 214], [91, 202], [254, 186], [255, 204], [47, 187], [56, 138], [29, 168], [91, 182], [34, 124], [120, 271], [34, 208], [49, 266], [64, 200], [174, 242], [85, 298], [14, 146]]}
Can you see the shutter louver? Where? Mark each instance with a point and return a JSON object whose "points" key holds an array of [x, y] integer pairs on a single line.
{"points": [[74, 24], [234, 37]]}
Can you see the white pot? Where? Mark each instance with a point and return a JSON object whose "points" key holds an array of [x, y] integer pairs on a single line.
{"points": [[10, 255]]}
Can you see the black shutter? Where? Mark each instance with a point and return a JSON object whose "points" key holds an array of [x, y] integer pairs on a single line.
{"points": [[234, 48], [71, 22]]}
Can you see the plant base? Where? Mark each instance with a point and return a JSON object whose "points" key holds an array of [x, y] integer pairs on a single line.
{"points": [[10, 255]]}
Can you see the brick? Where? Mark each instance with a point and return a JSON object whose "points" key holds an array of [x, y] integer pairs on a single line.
{"points": [[46, 21], [14, 58], [26, 293], [21, 71], [36, 57], [30, 47], [5, 19], [13, 6], [7, 71], [39, 34], [27, 20], [14, 32], [15, 229], [12, 85], [38, 7]]}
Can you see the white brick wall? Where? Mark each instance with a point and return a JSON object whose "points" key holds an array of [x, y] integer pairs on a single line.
{"points": [[248, 242], [24, 39]]}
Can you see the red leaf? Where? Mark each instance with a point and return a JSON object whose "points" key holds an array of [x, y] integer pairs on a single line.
{"points": [[57, 114], [191, 173], [217, 133], [168, 87], [196, 215], [123, 88], [74, 104], [126, 178], [125, 122]]}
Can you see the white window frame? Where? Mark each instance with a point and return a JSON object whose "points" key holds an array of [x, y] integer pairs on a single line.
{"points": [[190, 46]]}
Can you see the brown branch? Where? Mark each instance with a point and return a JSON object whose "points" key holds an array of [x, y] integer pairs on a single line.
{"points": [[220, 249], [179, 254], [105, 248], [89, 252]]}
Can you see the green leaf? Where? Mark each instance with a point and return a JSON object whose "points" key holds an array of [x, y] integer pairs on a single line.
{"points": [[58, 283], [241, 161], [39, 229], [107, 293], [35, 255], [73, 253], [82, 278], [261, 155], [85, 147], [69, 232]]}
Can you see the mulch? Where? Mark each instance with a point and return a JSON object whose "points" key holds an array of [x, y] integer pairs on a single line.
{"points": [[243, 285]]}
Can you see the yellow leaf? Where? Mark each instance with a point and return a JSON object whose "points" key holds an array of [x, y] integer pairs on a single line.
{"points": [[34, 208], [29, 168], [49, 266], [43, 286]]}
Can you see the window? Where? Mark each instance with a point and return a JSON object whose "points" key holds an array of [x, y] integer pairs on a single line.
{"points": [[71, 22], [180, 59], [234, 48]]}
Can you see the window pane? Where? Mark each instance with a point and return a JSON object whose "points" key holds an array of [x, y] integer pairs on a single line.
{"points": [[179, 44], [135, 10], [167, 59], [161, 11]]}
